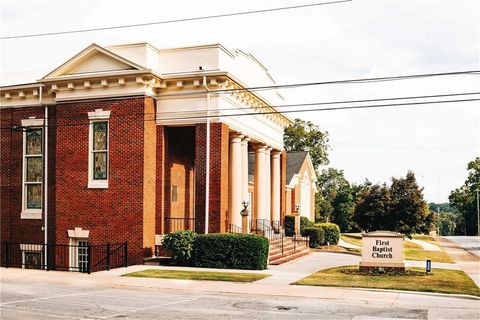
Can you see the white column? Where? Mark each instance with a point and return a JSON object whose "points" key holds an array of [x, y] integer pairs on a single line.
{"points": [[245, 174], [268, 183], [259, 189], [275, 215], [235, 180]]}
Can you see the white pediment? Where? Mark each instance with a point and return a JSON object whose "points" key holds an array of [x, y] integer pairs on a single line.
{"points": [[93, 60]]}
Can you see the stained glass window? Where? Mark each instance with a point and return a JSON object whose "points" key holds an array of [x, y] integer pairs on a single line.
{"points": [[33, 166], [100, 150]]}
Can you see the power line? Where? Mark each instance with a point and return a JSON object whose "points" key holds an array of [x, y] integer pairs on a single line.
{"points": [[215, 16], [309, 84], [288, 105], [273, 112]]}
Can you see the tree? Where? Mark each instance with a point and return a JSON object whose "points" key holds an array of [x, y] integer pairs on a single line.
{"points": [[464, 202], [343, 208], [306, 136], [329, 182], [372, 211], [408, 208]]}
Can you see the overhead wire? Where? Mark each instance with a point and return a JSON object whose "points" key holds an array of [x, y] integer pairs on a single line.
{"points": [[272, 112], [213, 16]]}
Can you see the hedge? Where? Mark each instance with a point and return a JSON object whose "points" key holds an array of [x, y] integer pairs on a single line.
{"points": [[230, 251], [316, 236], [331, 232], [290, 224], [180, 244]]}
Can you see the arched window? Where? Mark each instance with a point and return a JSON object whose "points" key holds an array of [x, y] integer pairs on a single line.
{"points": [[305, 196]]}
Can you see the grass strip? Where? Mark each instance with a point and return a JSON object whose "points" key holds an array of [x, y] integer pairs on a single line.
{"points": [[423, 255], [440, 280], [198, 275]]}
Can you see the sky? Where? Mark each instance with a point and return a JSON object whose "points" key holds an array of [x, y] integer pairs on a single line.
{"points": [[357, 39]]}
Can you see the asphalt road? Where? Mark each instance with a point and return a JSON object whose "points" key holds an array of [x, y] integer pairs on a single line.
{"points": [[471, 244], [47, 300]]}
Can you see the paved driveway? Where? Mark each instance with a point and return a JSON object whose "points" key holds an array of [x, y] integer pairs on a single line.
{"points": [[471, 244]]}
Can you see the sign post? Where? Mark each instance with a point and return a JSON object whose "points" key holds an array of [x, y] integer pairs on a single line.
{"points": [[428, 267]]}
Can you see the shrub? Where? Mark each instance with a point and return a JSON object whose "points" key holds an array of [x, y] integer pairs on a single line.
{"points": [[331, 232], [230, 251], [180, 244], [316, 236], [290, 224]]}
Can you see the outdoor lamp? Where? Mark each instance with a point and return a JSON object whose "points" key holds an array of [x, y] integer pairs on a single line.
{"points": [[244, 212]]}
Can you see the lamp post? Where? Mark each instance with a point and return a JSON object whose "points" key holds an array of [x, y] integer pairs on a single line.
{"points": [[244, 214], [297, 219]]}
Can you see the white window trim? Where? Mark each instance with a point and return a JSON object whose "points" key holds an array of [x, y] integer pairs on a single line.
{"points": [[73, 253], [99, 115], [30, 213], [31, 251]]}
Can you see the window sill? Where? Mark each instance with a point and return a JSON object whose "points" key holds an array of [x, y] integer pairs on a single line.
{"points": [[100, 184], [31, 214]]}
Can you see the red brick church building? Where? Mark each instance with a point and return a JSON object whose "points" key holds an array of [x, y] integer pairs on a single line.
{"points": [[115, 143]]}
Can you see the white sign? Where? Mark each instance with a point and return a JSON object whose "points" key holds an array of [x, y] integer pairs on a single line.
{"points": [[382, 249]]}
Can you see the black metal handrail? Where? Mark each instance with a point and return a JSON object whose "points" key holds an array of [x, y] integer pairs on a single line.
{"points": [[276, 226], [262, 226], [232, 228], [173, 224]]}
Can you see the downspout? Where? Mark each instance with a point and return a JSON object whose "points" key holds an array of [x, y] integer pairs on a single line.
{"points": [[45, 179], [207, 157]]}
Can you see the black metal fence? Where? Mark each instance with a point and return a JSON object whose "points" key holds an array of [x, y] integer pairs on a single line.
{"points": [[80, 258]]}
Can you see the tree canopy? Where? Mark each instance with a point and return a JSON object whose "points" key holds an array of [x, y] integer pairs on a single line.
{"points": [[464, 202], [306, 136]]}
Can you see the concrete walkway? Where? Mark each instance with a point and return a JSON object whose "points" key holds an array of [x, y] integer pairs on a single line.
{"points": [[347, 245], [469, 243], [425, 245], [467, 262]]}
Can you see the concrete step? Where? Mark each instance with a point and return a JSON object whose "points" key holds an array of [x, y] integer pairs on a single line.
{"points": [[286, 252], [287, 258]]}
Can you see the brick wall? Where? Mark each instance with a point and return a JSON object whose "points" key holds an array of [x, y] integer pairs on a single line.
{"points": [[114, 214], [14, 228], [218, 203], [162, 149]]}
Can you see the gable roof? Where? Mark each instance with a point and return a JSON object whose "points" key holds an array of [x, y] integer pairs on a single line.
{"points": [[92, 59], [295, 161]]}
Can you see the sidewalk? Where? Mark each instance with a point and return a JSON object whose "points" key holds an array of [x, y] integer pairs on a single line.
{"points": [[111, 279], [466, 261]]}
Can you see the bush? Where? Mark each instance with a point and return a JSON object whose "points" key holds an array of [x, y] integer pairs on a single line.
{"points": [[316, 236], [331, 232], [230, 251], [180, 244], [290, 224]]}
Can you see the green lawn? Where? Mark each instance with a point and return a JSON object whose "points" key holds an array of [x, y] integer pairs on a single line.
{"points": [[198, 275], [422, 255], [412, 251], [440, 280]]}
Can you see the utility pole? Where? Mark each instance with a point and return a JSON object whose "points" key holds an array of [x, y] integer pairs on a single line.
{"points": [[478, 216], [438, 220]]}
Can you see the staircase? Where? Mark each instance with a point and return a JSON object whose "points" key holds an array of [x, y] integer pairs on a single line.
{"points": [[283, 249]]}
